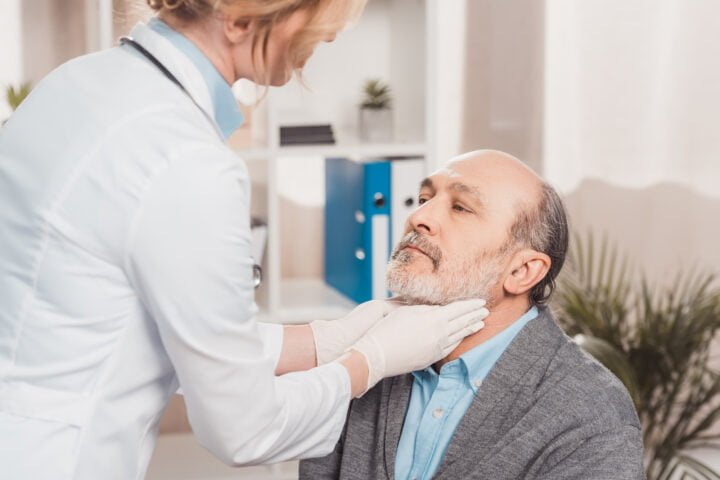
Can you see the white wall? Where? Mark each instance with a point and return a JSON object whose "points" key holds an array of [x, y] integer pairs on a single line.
{"points": [[53, 32], [664, 228], [503, 83], [446, 71], [407, 67], [11, 66]]}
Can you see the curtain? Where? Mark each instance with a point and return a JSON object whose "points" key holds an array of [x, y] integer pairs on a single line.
{"points": [[632, 93]]}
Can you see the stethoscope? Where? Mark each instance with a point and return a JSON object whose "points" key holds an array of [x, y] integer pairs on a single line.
{"points": [[257, 270]]}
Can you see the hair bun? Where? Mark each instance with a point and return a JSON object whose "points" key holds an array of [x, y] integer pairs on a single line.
{"points": [[183, 9]]}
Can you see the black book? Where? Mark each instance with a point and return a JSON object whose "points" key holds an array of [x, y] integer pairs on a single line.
{"points": [[308, 140], [307, 135], [305, 129]]}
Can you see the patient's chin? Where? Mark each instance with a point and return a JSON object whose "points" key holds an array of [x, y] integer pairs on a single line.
{"points": [[435, 298], [409, 299], [415, 289]]}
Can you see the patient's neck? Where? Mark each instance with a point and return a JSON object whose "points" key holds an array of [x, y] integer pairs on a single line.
{"points": [[503, 314]]}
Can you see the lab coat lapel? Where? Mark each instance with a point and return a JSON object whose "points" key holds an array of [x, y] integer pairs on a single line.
{"points": [[177, 63]]}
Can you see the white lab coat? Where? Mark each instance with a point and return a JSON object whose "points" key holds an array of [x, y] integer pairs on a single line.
{"points": [[125, 272]]}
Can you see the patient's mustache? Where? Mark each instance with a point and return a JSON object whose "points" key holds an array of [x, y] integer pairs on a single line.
{"points": [[414, 239]]}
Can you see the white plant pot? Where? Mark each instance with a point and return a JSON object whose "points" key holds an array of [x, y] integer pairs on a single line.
{"points": [[376, 124]]}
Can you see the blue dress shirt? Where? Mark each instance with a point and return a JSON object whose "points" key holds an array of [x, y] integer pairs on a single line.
{"points": [[225, 106], [439, 401]]}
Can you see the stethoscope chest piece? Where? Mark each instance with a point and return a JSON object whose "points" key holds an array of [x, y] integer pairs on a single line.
{"points": [[257, 275]]}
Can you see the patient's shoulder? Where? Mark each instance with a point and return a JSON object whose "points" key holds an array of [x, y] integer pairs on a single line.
{"points": [[576, 384], [379, 399]]}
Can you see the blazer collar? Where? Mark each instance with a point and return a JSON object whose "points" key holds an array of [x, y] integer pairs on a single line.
{"points": [[398, 399], [518, 371]]}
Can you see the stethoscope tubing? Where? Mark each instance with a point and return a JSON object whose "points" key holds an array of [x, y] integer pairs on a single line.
{"points": [[257, 269]]}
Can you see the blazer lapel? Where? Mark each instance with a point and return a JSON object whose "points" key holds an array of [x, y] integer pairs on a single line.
{"points": [[397, 402], [517, 372]]}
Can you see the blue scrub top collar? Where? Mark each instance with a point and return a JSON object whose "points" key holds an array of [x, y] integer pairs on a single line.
{"points": [[225, 106]]}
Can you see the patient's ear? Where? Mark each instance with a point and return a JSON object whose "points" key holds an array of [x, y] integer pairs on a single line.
{"points": [[527, 268]]}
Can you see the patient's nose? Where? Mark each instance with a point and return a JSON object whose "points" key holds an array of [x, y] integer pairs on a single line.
{"points": [[423, 221]]}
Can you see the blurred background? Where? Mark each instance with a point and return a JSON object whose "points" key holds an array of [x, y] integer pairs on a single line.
{"points": [[614, 102]]}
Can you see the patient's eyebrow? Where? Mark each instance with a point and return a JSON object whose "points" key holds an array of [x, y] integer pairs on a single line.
{"points": [[473, 192], [427, 183]]}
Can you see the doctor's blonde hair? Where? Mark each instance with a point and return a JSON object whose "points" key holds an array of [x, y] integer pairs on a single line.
{"points": [[326, 17]]}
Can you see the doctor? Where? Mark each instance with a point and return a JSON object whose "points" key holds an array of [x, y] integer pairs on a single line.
{"points": [[125, 269]]}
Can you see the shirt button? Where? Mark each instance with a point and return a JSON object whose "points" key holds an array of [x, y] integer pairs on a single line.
{"points": [[477, 383], [437, 413]]}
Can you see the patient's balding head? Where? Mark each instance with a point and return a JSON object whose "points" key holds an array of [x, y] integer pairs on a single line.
{"points": [[487, 226]]}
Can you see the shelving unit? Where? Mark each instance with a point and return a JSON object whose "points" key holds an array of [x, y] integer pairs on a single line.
{"points": [[389, 42], [340, 149]]}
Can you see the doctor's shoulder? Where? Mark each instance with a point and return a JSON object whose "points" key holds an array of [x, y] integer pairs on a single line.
{"points": [[108, 96]]}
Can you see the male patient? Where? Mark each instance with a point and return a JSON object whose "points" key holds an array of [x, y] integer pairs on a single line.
{"points": [[518, 399]]}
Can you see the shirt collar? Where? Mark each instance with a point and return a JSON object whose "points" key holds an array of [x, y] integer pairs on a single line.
{"points": [[481, 359], [477, 362], [225, 107]]}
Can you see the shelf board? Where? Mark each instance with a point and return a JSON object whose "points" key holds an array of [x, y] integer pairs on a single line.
{"points": [[305, 299], [347, 150]]}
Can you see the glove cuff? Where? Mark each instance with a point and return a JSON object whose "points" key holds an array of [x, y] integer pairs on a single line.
{"points": [[375, 358], [329, 341]]}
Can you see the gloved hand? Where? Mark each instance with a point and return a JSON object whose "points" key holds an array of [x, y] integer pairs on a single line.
{"points": [[334, 337], [414, 337]]}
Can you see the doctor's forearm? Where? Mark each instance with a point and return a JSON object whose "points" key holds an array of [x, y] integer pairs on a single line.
{"points": [[298, 353], [298, 350]]}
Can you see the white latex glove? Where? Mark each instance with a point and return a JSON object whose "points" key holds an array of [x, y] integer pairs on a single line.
{"points": [[334, 337], [414, 337]]}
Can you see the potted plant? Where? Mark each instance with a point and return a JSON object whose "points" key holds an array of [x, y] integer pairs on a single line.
{"points": [[376, 122], [15, 96], [657, 341]]}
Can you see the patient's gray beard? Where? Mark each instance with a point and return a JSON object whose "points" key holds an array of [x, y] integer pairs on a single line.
{"points": [[462, 280], [417, 240]]}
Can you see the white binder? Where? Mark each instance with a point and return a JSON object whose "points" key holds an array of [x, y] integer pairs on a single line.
{"points": [[406, 175]]}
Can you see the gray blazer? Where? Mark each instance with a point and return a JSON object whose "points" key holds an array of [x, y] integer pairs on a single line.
{"points": [[545, 411]]}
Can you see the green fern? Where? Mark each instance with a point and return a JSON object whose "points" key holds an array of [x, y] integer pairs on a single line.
{"points": [[15, 96], [656, 340]]}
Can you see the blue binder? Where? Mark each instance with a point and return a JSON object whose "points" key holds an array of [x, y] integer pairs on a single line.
{"points": [[357, 227]]}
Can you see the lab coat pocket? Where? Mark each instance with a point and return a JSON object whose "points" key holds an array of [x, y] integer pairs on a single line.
{"points": [[36, 448], [39, 430]]}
